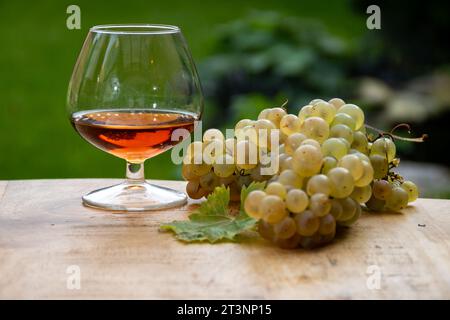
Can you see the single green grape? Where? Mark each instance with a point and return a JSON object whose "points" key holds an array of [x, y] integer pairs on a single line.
{"points": [[273, 209], [307, 223], [342, 182], [290, 124], [355, 112], [353, 164], [353, 219], [360, 142], [381, 189], [266, 231], [315, 128], [305, 112], [307, 160], [349, 208], [412, 190], [275, 115], [343, 118], [327, 225], [329, 163], [318, 184], [320, 204], [384, 147], [277, 189], [324, 110], [398, 199], [289, 178], [362, 194], [342, 131], [296, 200], [285, 229], [334, 147], [253, 202], [194, 190], [337, 103]]}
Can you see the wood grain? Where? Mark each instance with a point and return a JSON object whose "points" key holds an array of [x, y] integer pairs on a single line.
{"points": [[44, 229]]}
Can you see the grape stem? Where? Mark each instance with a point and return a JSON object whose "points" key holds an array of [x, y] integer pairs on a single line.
{"points": [[283, 106], [396, 137]]}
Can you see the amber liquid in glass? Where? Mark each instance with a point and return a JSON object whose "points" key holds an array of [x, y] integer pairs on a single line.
{"points": [[134, 135]]}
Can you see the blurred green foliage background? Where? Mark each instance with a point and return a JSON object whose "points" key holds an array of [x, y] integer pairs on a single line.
{"points": [[251, 55]]}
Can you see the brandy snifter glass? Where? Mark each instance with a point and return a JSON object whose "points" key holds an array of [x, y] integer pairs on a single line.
{"points": [[131, 87]]}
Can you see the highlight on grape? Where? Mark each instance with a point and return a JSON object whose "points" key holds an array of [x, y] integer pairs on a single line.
{"points": [[326, 167]]}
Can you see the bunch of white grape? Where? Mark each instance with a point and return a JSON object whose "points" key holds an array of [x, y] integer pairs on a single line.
{"points": [[327, 167]]}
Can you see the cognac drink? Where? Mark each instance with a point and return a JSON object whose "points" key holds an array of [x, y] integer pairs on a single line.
{"points": [[134, 135]]}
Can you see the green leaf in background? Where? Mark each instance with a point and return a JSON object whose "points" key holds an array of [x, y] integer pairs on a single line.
{"points": [[213, 220]]}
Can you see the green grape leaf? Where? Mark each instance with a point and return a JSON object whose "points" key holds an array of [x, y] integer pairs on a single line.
{"points": [[213, 220]]}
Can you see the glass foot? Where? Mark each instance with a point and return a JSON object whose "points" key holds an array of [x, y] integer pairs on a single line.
{"points": [[134, 197]]}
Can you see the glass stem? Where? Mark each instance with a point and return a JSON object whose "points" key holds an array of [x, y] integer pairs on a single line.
{"points": [[135, 173]]}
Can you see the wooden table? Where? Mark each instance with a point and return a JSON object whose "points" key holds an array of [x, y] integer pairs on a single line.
{"points": [[45, 233]]}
